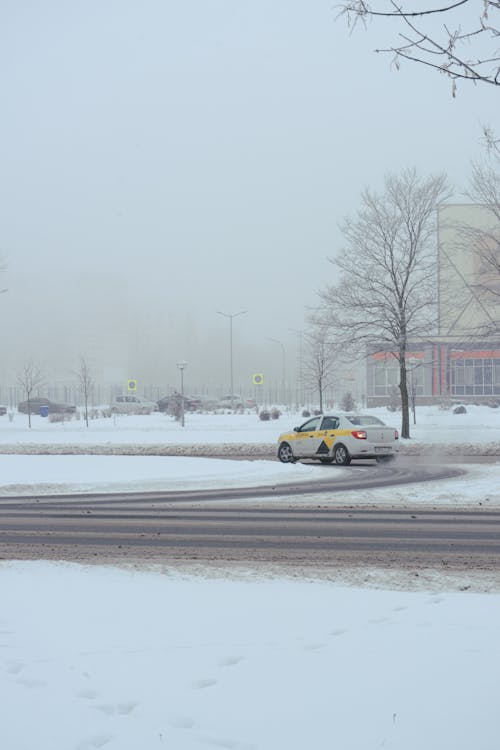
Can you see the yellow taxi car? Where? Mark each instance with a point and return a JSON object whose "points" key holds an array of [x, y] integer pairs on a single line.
{"points": [[339, 439]]}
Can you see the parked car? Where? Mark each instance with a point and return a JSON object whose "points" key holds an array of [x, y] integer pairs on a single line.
{"points": [[231, 402], [3, 410], [128, 404], [39, 402], [338, 439], [168, 403]]}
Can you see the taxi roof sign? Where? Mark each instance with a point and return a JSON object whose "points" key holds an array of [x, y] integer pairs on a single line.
{"points": [[258, 378]]}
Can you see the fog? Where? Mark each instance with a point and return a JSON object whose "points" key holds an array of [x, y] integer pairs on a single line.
{"points": [[162, 161]]}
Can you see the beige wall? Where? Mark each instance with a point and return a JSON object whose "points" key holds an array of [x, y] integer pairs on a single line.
{"points": [[464, 236]]}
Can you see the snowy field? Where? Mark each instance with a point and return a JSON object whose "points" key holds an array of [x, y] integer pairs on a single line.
{"points": [[125, 659], [479, 428]]}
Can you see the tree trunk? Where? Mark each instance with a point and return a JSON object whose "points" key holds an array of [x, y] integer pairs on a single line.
{"points": [[320, 389], [403, 387]]}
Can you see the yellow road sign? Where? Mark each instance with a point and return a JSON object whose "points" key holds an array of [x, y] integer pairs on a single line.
{"points": [[132, 385], [258, 378]]}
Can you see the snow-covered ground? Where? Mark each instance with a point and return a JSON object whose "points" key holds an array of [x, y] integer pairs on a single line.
{"points": [[480, 426], [100, 657], [97, 657], [437, 432]]}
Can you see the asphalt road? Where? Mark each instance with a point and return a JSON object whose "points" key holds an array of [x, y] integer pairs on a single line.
{"points": [[207, 528]]}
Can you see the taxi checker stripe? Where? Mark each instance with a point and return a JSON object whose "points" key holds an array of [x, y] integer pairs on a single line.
{"points": [[323, 448]]}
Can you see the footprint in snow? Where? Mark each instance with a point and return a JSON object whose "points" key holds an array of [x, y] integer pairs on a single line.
{"points": [[94, 742], [182, 722], [14, 667], [229, 744], [87, 694], [31, 683], [338, 631], [118, 709], [230, 661], [200, 684]]}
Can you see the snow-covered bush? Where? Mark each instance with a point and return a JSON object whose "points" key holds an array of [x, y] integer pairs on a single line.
{"points": [[347, 402]]}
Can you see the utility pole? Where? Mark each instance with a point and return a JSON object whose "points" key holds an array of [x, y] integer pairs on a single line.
{"points": [[230, 316], [283, 370], [182, 365]]}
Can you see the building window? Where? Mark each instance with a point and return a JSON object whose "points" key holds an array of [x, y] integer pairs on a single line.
{"points": [[475, 377], [386, 377]]}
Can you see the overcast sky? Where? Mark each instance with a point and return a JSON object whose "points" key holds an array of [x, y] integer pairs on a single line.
{"points": [[164, 160]]}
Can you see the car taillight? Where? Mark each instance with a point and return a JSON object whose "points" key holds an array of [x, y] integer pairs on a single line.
{"points": [[359, 434], [396, 435]]}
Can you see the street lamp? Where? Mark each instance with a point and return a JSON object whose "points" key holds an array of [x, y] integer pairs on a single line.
{"points": [[182, 366], [283, 373], [300, 389], [231, 316]]}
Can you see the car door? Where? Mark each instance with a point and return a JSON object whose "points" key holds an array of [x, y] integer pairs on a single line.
{"points": [[327, 434], [307, 441]]}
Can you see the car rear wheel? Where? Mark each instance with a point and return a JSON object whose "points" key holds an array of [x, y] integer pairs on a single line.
{"points": [[341, 456], [285, 454]]}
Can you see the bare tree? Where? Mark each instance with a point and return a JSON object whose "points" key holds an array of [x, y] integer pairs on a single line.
{"points": [[320, 353], [459, 39], [387, 289], [86, 385], [29, 378]]}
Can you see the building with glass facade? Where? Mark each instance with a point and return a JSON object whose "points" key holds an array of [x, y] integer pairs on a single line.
{"points": [[460, 360]]}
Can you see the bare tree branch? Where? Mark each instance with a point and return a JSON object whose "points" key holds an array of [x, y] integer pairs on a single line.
{"points": [[467, 50]]}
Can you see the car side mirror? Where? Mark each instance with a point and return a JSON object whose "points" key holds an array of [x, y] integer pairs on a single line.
{"points": [[296, 429]]}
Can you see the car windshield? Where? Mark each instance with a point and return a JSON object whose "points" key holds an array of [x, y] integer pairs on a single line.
{"points": [[364, 421]]}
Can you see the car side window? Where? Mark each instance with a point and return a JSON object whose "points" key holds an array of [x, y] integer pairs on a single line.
{"points": [[311, 425], [330, 423]]}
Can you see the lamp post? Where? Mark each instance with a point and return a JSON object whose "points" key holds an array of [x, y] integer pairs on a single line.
{"points": [[182, 366], [230, 316], [283, 371], [300, 390]]}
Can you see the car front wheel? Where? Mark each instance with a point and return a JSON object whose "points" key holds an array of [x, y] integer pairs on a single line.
{"points": [[341, 456], [285, 454]]}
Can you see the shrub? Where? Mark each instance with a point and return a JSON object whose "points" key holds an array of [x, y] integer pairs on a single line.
{"points": [[57, 417], [445, 404], [348, 403], [306, 413], [394, 400], [264, 415], [275, 414], [460, 410]]}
